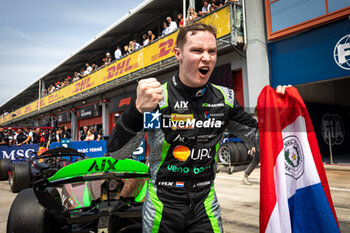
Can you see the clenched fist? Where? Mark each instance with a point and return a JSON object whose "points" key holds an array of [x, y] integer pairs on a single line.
{"points": [[149, 93]]}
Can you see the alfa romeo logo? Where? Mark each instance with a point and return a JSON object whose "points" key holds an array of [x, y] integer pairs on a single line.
{"points": [[293, 157]]}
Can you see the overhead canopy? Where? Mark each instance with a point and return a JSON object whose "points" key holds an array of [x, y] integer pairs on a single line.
{"points": [[147, 16]]}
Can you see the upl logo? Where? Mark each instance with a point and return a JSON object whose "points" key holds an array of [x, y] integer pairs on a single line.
{"points": [[181, 153], [342, 53]]}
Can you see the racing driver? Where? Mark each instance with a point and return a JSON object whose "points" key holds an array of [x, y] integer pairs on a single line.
{"points": [[189, 116]]}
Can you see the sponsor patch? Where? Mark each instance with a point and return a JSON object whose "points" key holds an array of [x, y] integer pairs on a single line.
{"points": [[181, 105], [166, 183], [208, 105], [172, 184], [181, 153], [180, 184], [151, 120], [199, 184], [187, 121]]}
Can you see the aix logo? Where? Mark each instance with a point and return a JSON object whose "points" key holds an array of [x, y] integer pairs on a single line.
{"points": [[106, 165], [181, 105]]}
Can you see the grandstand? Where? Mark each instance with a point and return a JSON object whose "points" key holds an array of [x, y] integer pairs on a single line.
{"points": [[98, 97]]}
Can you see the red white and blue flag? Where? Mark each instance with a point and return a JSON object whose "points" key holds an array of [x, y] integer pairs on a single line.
{"points": [[294, 192], [180, 184]]}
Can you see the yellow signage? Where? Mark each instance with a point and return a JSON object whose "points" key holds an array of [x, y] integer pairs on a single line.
{"points": [[158, 51]]}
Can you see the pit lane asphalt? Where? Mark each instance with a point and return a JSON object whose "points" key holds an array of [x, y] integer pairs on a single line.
{"points": [[239, 203]]}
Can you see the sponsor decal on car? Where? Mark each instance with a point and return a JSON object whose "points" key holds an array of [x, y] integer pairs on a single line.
{"points": [[105, 165]]}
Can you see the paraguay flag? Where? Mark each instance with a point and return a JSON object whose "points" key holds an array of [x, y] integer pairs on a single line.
{"points": [[294, 192]]}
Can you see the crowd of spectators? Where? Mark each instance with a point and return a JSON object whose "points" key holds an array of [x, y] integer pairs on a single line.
{"points": [[20, 136], [77, 75], [27, 135], [90, 134], [169, 25]]}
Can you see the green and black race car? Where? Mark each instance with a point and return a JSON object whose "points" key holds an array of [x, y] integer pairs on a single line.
{"points": [[23, 173], [93, 195]]}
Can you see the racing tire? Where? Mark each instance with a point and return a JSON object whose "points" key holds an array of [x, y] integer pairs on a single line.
{"points": [[27, 215], [235, 152], [4, 168], [243, 151], [20, 176]]}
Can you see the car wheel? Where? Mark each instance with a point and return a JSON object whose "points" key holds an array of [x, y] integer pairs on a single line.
{"points": [[4, 168], [27, 215], [224, 152], [228, 153], [20, 176]]}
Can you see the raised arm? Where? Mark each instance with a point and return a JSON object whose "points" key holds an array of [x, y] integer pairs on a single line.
{"points": [[125, 134]]}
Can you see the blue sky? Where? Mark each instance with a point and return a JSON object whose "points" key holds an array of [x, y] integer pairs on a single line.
{"points": [[36, 35]]}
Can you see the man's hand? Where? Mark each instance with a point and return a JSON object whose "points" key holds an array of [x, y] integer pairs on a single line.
{"points": [[149, 93], [252, 151], [281, 89]]}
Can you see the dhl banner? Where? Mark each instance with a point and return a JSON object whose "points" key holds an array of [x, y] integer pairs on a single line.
{"points": [[158, 51]]}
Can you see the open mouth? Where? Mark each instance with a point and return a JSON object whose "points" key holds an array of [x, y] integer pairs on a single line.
{"points": [[204, 70]]}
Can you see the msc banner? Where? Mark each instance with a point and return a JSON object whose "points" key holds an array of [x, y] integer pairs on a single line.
{"points": [[157, 51], [17, 152], [89, 148], [98, 149]]}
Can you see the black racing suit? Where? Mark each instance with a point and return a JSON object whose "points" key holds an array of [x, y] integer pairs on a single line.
{"points": [[180, 196], [20, 138]]}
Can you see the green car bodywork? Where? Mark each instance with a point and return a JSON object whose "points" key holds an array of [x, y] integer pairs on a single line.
{"points": [[100, 166]]}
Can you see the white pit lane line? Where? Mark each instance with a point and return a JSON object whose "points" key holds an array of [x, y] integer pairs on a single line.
{"points": [[256, 180]]}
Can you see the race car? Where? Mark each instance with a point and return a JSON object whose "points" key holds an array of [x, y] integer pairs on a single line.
{"points": [[23, 174], [42, 208]]}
